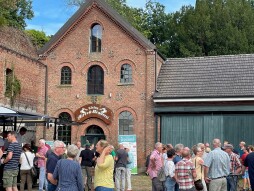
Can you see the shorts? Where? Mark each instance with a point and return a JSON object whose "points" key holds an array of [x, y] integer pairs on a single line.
{"points": [[10, 178], [246, 174]]}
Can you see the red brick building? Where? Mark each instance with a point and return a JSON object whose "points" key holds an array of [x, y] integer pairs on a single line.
{"points": [[101, 71]]}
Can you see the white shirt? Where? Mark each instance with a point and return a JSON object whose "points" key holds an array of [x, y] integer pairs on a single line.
{"points": [[169, 168], [24, 163]]}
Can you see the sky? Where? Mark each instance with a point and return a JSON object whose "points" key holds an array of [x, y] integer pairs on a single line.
{"points": [[51, 15]]}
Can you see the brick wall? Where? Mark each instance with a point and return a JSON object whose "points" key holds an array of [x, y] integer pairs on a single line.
{"points": [[118, 47]]}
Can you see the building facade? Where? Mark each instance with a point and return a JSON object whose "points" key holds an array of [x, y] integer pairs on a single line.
{"points": [[101, 73], [202, 98]]}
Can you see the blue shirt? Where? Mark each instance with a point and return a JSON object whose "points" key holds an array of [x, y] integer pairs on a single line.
{"points": [[177, 159], [218, 163], [51, 162], [69, 175]]}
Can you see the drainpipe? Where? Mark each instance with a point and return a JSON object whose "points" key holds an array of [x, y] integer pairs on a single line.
{"points": [[46, 99]]}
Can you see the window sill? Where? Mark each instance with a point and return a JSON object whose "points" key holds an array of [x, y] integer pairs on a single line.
{"points": [[65, 86], [126, 84]]}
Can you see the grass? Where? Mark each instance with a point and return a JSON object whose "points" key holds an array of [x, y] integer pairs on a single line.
{"points": [[141, 182]]}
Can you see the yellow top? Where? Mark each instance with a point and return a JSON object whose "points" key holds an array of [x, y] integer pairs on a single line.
{"points": [[104, 173]]}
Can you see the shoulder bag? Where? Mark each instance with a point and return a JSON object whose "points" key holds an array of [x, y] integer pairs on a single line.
{"points": [[33, 170], [198, 183]]}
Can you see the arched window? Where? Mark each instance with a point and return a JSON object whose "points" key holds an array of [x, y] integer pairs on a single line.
{"points": [[95, 82], [64, 130], [96, 35], [8, 81], [125, 123], [126, 73], [65, 75]]}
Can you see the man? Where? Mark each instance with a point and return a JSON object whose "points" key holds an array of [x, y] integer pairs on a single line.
{"points": [[178, 157], [78, 144], [120, 166], [241, 145], [235, 168], [155, 164], [58, 151], [11, 167], [245, 172], [185, 172], [217, 167], [249, 162], [86, 159], [20, 135], [41, 154]]}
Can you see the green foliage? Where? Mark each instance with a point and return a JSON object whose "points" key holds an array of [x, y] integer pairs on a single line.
{"points": [[13, 87], [14, 12], [38, 38]]}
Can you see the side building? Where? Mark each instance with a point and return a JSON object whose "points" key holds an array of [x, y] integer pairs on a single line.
{"points": [[22, 77], [202, 98], [102, 74]]}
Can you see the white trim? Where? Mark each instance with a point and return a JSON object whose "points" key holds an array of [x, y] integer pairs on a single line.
{"points": [[203, 99]]}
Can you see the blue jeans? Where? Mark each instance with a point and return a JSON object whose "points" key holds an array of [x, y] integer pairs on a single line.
{"points": [[232, 183], [100, 188], [51, 187], [42, 179], [169, 184]]}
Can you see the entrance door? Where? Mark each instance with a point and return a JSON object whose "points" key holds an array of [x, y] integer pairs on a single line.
{"points": [[94, 133]]}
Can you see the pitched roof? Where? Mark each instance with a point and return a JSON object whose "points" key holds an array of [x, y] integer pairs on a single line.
{"points": [[207, 77], [106, 8]]}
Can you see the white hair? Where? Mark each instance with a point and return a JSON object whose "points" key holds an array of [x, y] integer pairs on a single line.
{"points": [[42, 141]]}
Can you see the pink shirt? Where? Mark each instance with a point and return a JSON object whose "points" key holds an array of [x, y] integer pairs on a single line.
{"points": [[158, 161], [42, 151]]}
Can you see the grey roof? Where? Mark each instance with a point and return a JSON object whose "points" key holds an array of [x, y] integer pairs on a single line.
{"points": [[107, 9], [207, 77]]}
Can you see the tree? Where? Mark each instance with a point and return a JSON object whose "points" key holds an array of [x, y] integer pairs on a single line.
{"points": [[38, 38], [14, 12]]}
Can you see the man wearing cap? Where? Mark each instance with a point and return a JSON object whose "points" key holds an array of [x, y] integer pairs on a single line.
{"points": [[235, 168], [86, 158], [217, 167]]}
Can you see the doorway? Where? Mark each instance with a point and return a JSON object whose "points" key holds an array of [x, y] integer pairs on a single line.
{"points": [[94, 133]]}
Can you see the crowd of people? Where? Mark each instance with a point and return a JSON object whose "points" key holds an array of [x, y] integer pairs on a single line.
{"points": [[72, 168], [201, 168]]}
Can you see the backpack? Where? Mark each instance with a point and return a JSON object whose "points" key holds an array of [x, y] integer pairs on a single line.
{"points": [[161, 175]]}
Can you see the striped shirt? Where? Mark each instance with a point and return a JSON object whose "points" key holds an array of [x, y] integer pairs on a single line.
{"points": [[16, 149], [218, 163], [234, 162], [184, 170]]}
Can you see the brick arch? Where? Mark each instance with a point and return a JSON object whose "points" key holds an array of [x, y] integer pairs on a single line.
{"points": [[94, 121], [131, 110], [94, 22], [92, 63], [59, 67], [57, 113], [125, 61]]}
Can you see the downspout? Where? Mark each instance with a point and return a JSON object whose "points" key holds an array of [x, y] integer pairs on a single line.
{"points": [[46, 99]]}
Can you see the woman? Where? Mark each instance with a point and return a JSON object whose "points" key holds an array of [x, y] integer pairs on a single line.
{"points": [[169, 167], [26, 161], [68, 172], [198, 163], [103, 178]]}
